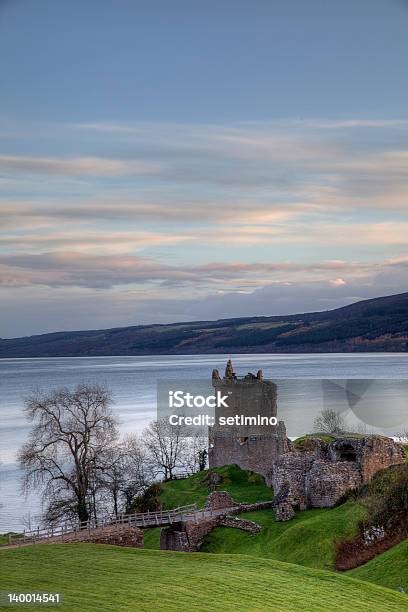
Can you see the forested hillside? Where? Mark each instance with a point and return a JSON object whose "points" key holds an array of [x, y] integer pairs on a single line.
{"points": [[379, 324]]}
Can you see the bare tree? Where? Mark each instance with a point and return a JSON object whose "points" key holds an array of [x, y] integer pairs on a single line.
{"points": [[71, 430], [139, 469], [195, 453], [111, 475], [329, 421], [166, 445]]}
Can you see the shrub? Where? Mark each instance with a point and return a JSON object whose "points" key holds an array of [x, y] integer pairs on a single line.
{"points": [[386, 498], [149, 501]]}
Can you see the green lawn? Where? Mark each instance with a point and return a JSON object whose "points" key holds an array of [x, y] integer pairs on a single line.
{"points": [[96, 577], [308, 539], [4, 537], [388, 569], [242, 485], [152, 538]]}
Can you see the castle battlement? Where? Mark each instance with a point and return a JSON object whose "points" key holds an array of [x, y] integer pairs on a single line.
{"points": [[257, 447]]}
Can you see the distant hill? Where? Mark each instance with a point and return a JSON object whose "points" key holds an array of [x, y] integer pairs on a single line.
{"points": [[378, 324]]}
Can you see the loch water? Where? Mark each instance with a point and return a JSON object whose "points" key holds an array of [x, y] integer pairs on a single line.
{"points": [[133, 382]]}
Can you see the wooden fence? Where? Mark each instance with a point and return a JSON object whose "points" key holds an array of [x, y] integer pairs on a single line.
{"points": [[143, 519], [182, 476]]}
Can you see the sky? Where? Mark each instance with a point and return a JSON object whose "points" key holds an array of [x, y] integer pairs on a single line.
{"points": [[176, 161]]}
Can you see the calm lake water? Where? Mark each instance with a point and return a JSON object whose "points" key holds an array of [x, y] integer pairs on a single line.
{"points": [[133, 383]]}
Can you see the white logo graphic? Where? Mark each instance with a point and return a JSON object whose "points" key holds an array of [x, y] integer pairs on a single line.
{"points": [[179, 399]]}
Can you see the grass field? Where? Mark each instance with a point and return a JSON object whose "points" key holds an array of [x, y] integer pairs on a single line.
{"points": [[283, 568], [3, 538], [307, 539], [96, 577], [388, 569]]}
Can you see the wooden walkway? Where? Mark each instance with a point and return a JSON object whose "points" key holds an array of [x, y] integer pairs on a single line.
{"points": [[67, 532]]}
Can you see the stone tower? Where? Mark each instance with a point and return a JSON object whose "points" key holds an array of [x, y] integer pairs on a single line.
{"points": [[255, 448]]}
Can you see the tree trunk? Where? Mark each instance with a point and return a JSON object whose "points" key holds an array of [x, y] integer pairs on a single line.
{"points": [[83, 514], [115, 504]]}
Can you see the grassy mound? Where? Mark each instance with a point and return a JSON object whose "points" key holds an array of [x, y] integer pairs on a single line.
{"points": [[308, 539], [389, 569], [242, 485], [385, 498], [97, 577], [301, 440]]}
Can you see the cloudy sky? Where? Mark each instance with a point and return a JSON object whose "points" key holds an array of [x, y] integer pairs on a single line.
{"points": [[165, 161]]}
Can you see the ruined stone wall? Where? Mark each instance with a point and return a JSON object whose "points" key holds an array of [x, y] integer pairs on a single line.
{"points": [[239, 523], [175, 537], [327, 481], [379, 453], [187, 537], [218, 500], [196, 531], [255, 506], [222, 500], [292, 469], [117, 535], [319, 474]]}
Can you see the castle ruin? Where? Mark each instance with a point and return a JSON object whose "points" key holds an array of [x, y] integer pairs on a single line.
{"points": [[259, 447], [315, 474]]}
